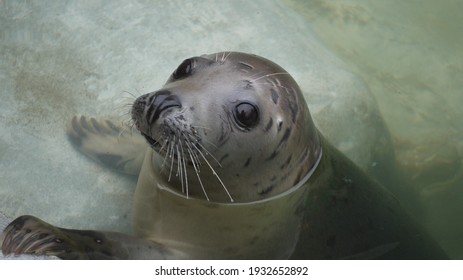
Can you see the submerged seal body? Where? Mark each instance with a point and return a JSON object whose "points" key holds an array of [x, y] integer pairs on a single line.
{"points": [[234, 169]]}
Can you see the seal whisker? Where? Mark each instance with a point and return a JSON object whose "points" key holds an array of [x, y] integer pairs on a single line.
{"points": [[129, 99], [129, 124], [180, 168], [189, 142], [121, 132], [131, 94], [127, 115], [126, 118], [274, 85], [257, 74], [184, 169], [214, 173], [163, 145], [209, 142], [128, 105], [197, 173], [204, 148], [171, 157], [196, 163], [168, 145], [124, 104], [269, 75], [207, 152], [169, 153], [226, 57], [189, 139]]}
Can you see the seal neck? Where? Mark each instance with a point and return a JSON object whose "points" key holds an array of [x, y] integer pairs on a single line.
{"points": [[202, 229], [291, 190]]}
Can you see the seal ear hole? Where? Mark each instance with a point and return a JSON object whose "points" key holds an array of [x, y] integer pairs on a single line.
{"points": [[184, 69], [246, 115]]}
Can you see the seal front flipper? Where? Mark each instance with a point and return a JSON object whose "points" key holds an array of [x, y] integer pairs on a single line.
{"points": [[30, 235], [107, 143]]}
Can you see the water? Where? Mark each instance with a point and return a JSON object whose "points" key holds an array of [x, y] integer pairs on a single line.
{"points": [[410, 55], [66, 58]]}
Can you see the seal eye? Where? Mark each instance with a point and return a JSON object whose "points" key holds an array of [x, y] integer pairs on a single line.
{"points": [[183, 70], [246, 115]]}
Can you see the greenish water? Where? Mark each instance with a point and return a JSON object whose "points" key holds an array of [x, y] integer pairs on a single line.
{"points": [[59, 59], [409, 53]]}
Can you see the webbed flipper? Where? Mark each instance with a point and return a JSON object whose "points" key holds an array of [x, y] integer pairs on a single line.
{"points": [[30, 235], [107, 143]]}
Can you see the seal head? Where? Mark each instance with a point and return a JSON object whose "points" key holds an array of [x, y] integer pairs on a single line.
{"points": [[229, 127]]}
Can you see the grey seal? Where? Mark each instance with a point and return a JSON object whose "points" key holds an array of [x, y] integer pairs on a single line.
{"points": [[231, 166]]}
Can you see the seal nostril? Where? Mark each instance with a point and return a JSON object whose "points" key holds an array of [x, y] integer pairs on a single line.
{"points": [[170, 101], [162, 101]]}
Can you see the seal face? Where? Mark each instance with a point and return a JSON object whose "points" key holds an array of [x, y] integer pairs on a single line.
{"points": [[229, 127]]}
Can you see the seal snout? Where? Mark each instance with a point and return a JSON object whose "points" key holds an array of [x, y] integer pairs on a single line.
{"points": [[149, 107]]}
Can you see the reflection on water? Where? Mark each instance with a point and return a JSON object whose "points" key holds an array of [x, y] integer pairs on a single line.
{"points": [[410, 55]]}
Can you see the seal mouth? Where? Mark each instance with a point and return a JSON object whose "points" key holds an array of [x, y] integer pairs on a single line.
{"points": [[171, 148], [151, 141]]}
